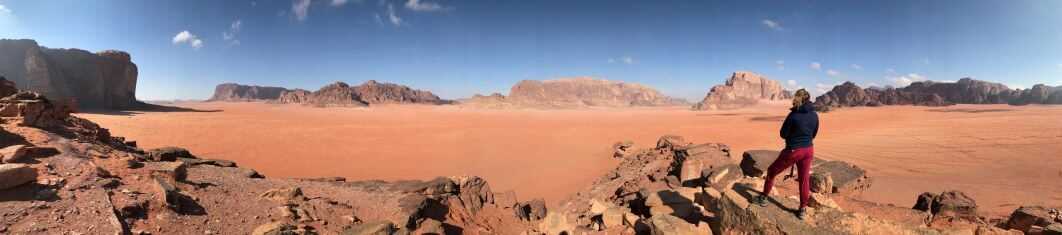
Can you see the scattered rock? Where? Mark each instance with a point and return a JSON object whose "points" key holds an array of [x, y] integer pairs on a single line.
{"points": [[12, 175], [275, 228], [555, 223], [955, 204], [13, 153], [371, 228], [1025, 217], [671, 225], [168, 154], [284, 195], [672, 142], [532, 210], [821, 182], [676, 203], [175, 171], [754, 163]]}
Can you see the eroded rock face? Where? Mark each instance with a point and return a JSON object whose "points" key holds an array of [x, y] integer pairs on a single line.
{"points": [[578, 92], [106, 79], [929, 93], [237, 92], [743, 89], [340, 94]]}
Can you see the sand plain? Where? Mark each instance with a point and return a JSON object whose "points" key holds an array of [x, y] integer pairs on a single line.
{"points": [[1003, 156]]}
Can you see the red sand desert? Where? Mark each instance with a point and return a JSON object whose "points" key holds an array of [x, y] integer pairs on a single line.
{"points": [[1004, 156]]}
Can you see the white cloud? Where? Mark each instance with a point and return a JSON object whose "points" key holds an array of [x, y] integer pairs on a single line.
{"points": [[624, 59], [780, 64], [772, 24], [417, 5], [815, 66], [856, 67], [905, 79], [189, 38], [822, 88], [230, 35], [301, 8], [337, 3], [832, 73], [791, 83], [873, 84], [4, 10], [395, 20]]}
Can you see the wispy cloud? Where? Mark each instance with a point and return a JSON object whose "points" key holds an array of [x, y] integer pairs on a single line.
{"points": [[234, 30], [185, 37], [301, 9], [832, 73], [624, 59], [780, 64], [4, 9], [905, 79], [856, 66], [391, 16], [418, 5], [774, 25], [815, 66], [337, 3], [823, 88]]}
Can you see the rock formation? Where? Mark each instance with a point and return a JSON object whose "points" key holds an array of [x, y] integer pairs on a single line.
{"points": [[237, 92], [742, 89], [105, 79], [579, 92], [929, 93]]}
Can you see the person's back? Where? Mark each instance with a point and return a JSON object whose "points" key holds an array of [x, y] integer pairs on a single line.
{"points": [[800, 127], [799, 130]]}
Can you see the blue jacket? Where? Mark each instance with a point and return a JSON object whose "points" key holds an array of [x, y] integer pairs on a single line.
{"points": [[800, 127]]}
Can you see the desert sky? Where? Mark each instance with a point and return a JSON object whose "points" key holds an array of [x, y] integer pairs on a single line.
{"points": [[1003, 156]]}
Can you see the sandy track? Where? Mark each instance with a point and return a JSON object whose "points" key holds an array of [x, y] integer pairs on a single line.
{"points": [[1002, 155]]}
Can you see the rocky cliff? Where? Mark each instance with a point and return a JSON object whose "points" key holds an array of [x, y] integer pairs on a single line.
{"points": [[237, 92], [742, 89], [575, 93], [340, 94], [105, 79], [929, 93]]}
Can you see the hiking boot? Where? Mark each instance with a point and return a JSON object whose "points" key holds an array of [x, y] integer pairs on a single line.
{"points": [[802, 213], [760, 200]]}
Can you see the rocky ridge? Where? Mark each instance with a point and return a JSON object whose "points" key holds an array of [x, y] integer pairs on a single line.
{"points": [[238, 92], [743, 89], [930, 93], [338, 94], [71, 77], [580, 92]]}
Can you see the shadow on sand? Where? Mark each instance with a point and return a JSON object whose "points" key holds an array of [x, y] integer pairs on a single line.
{"points": [[969, 110], [145, 108]]}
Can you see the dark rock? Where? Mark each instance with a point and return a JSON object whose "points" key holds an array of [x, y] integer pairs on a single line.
{"points": [[846, 177], [1025, 217], [532, 210], [168, 154], [925, 201], [754, 163], [955, 204]]}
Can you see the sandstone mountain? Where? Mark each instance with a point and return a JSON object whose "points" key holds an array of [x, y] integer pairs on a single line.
{"points": [[237, 92], [106, 79], [930, 93], [369, 93], [742, 89], [578, 92]]}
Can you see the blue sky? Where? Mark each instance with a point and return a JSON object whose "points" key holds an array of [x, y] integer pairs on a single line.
{"points": [[459, 48]]}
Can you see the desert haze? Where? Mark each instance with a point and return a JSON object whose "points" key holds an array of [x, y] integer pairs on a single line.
{"points": [[1004, 156]]}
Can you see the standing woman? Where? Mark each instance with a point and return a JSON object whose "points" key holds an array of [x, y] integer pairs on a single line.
{"points": [[798, 130]]}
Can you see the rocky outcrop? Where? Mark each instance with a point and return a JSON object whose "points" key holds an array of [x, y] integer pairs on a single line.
{"points": [[582, 92], [930, 93], [340, 94], [105, 79], [742, 89], [237, 92]]}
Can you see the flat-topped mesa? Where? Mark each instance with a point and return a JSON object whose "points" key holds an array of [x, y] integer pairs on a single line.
{"points": [[577, 92], [106, 79], [743, 89], [340, 94], [930, 93], [238, 92]]}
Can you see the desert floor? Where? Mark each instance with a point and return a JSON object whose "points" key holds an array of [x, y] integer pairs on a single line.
{"points": [[1003, 156]]}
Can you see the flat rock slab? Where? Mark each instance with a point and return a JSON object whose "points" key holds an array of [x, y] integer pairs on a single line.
{"points": [[846, 177], [12, 175]]}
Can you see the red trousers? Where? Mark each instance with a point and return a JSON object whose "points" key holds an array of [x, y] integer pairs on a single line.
{"points": [[802, 157]]}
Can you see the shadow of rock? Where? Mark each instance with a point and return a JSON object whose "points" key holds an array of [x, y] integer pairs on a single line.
{"points": [[146, 108], [767, 119], [970, 110]]}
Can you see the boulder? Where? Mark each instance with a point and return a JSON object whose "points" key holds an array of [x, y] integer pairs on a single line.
{"points": [[371, 228], [754, 163], [1053, 229], [12, 175], [430, 226], [955, 204], [532, 210], [821, 182], [166, 193], [13, 153], [743, 89], [556, 223], [925, 201], [846, 177], [174, 171], [722, 177], [1024, 218], [671, 225], [671, 142], [678, 203], [616, 217], [706, 165], [168, 154], [275, 228]]}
